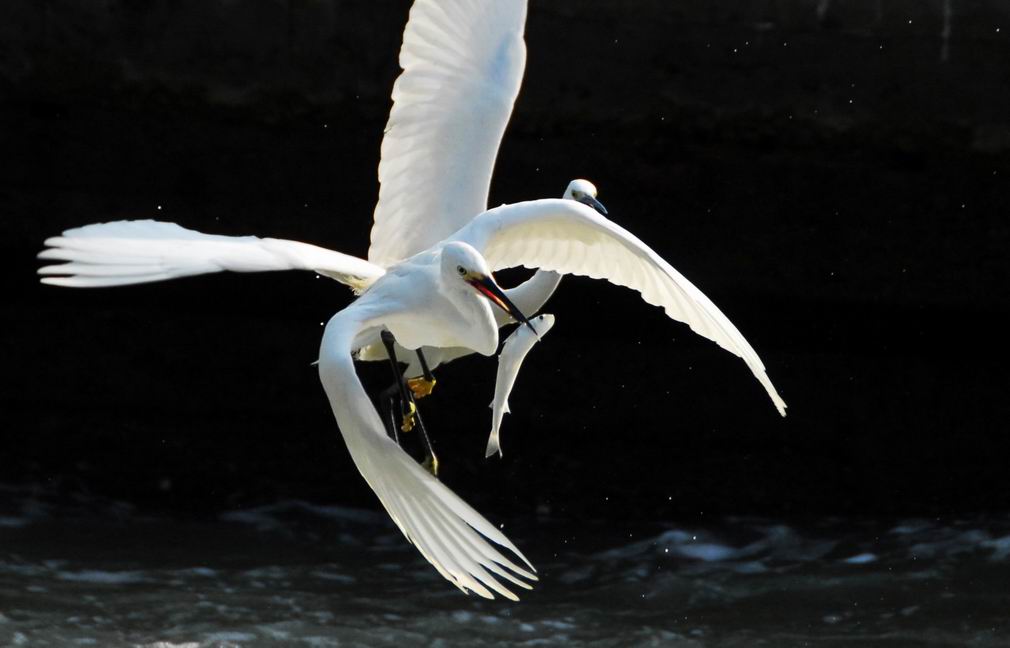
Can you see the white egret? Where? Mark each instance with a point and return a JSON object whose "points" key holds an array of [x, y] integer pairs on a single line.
{"points": [[440, 298], [428, 280], [528, 296]]}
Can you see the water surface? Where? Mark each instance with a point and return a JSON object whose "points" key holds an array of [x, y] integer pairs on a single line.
{"points": [[301, 574]]}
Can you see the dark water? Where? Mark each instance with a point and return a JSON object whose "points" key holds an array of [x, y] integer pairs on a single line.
{"points": [[300, 574]]}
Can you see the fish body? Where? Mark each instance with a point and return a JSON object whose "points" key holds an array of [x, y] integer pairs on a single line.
{"points": [[513, 352]]}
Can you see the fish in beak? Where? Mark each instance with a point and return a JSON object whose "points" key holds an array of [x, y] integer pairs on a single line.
{"points": [[487, 287]]}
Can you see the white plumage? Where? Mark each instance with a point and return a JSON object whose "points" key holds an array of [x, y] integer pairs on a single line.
{"points": [[446, 530], [131, 252], [462, 66], [463, 62], [569, 238]]}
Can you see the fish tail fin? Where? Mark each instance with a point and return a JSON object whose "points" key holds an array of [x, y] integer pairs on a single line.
{"points": [[493, 446]]}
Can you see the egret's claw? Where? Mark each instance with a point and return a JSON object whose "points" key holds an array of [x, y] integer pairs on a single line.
{"points": [[408, 417], [421, 386], [430, 464]]}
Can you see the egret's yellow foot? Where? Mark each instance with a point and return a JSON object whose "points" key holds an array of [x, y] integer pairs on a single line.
{"points": [[408, 418], [430, 464], [421, 386]]}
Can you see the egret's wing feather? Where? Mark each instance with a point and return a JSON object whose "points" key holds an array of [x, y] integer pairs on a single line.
{"points": [[462, 66], [450, 534], [567, 237], [130, 252]]}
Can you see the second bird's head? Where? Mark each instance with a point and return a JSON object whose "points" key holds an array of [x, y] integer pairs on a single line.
{"points": [[461, 262], [584, 191]]}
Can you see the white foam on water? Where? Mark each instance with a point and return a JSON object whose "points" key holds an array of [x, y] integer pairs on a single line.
{"points": [[911, 526], [334, 576], [103, 577], [1000, 547], [861, 559], [272, 516], [230, 636], [707, 552]]}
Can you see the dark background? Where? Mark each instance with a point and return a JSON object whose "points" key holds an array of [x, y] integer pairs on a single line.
{"points": [[833, 175]]}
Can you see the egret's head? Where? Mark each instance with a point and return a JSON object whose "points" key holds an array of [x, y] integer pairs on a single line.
{"points": [[462, 263], [584, 192]]}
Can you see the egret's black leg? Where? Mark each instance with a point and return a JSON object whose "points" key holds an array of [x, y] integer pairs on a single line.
{"points": [[423, 384], [389, 400], [422, 387], [424, 366], [407, 407], [430, 462]]}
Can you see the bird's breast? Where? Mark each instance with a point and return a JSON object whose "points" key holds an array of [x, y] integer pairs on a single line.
{"points": [[438, 320]]}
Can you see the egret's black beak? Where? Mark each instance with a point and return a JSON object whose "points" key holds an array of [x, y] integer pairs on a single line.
{"points": [[586, 199], [487, 287]]}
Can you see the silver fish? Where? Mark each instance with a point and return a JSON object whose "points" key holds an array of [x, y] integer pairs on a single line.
{"points": [[511, 358]]}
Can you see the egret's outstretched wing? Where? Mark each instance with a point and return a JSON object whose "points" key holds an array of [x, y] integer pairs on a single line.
{"points": [[449, 533], [132, 252], [462, 66], [567, 237]]}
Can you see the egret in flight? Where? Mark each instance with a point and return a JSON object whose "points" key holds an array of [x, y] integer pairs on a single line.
{"points": [[428, 282]]}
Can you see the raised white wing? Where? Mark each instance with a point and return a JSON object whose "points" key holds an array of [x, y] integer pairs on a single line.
{"points": [[462, 66], [132, 252], [450, 534], [568, 237]]}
